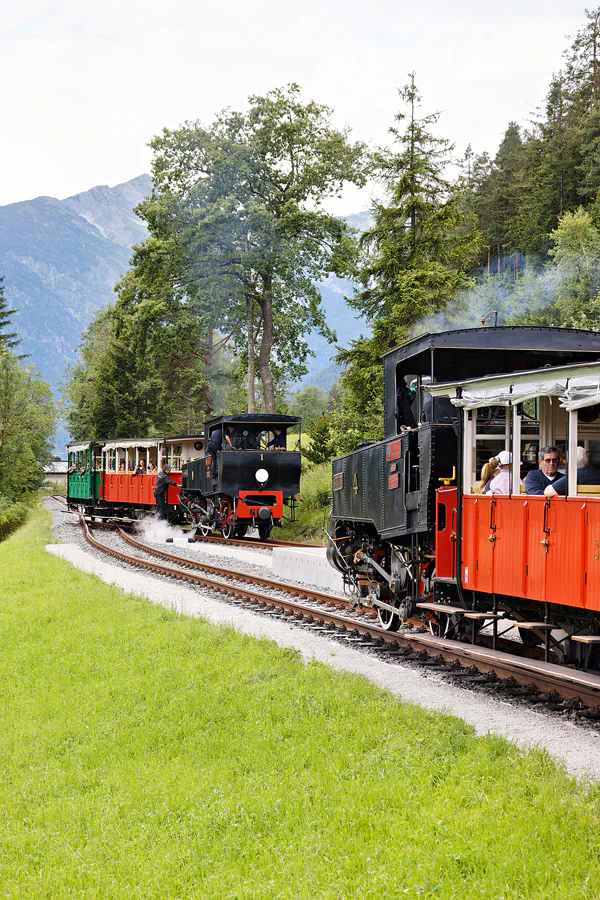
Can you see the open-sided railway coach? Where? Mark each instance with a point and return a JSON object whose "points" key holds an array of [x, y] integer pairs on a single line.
{"points": [[410, 529], [254, 475]]}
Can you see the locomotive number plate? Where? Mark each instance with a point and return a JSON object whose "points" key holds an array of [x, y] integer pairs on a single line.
{"points": [[392, 481], [338, 481], [393, 450]]}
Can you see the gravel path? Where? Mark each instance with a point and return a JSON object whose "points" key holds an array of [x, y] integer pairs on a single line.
{"points": [[577, 747]]}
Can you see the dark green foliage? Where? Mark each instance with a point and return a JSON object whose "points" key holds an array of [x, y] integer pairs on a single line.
{"points": [[138, 376], [26, 430], [321, 447], [417, 254], [8, 340]]}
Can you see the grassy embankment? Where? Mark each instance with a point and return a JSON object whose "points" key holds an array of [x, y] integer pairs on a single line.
{"points": [[148, 755], [315, 491]]}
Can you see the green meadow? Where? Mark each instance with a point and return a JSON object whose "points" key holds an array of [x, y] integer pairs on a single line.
{"points": [[148, 755]]}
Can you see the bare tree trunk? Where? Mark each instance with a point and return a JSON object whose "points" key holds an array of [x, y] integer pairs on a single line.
{"points": [[209, 360], [266, 345], [251, 356]]}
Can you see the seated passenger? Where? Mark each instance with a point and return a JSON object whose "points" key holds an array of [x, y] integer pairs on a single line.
{"points": [[122, 466], [586, 474], [502, 483], [72, 469], [538, 480], [489, 471], [278, 441], [140, 469]]}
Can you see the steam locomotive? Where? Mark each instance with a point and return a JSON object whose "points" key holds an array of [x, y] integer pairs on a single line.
{"points": [[253, 482], [411, 531]]}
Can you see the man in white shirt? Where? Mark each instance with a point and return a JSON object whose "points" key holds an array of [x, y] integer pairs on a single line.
{"points": [[502, 483]]}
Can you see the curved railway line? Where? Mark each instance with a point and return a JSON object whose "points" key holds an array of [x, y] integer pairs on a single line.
{"points": [[557, 687], [254, 542]]}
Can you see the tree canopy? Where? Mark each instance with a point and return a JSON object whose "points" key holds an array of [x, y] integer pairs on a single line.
{"points": [[239, 236]]}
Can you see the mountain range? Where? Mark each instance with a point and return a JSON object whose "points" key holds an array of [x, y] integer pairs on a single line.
{"points": [[62, 258]]}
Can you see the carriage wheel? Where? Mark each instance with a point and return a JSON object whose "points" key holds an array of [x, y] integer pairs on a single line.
{"points": [[440, 625]]}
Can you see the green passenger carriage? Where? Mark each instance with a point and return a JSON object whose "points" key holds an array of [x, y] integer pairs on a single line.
{"points": [[84, 473]]}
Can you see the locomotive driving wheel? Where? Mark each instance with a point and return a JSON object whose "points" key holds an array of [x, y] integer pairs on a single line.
{"points": [[227, 530], [390, 621], [204, 528]]}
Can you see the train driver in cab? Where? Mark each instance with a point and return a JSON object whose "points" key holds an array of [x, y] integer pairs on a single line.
{"points": [[538, 480], [215, 443], [278, 440]]}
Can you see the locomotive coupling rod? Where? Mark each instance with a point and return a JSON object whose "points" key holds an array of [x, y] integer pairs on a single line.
{"points": [[362, 557]]}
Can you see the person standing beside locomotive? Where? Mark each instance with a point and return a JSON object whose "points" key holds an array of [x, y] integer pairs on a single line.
{"points": [[538, 480], [215, 443], [160, 491]]}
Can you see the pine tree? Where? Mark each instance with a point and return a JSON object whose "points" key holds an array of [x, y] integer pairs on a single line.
{"points": [[422, 241], [7, 340]]}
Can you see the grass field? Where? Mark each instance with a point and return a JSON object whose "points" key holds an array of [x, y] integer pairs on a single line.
{"points": [[147, 755], [315, 490]]}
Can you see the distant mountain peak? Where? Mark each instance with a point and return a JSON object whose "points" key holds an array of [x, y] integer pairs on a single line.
{"points": [[110, 209]]}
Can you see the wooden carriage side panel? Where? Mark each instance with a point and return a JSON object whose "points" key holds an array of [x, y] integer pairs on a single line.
{"points": [[478, 550], [510, 546], [566, 551], [536, 556], [591, 573]]}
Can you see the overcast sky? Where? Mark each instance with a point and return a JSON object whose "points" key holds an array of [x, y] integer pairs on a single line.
{"points": [[86, 84]]}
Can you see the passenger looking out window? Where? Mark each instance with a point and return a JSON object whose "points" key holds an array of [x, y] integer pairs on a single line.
{"points": [[488, 472], [502, 483], [140, 469], [538, 480], [586, 474]]}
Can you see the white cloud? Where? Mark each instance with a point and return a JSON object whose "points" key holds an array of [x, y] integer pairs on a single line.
{"points": [[87, 84]]}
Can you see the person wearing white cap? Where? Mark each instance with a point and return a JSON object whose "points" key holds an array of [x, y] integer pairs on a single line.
{"points": [[502, 483]]}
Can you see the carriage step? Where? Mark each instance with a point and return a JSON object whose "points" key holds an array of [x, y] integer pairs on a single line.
{"points": [[441, 608]]}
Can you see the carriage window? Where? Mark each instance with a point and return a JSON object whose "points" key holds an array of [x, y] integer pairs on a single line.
{"points": [[174, 453], [491, 433]]}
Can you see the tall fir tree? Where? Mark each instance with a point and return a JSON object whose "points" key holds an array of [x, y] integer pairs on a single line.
{"points": [[8, 340], [422, 241]]}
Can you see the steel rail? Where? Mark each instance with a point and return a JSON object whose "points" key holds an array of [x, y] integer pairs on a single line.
{"points": [[296, 590], [254, 542], [572, 684]]}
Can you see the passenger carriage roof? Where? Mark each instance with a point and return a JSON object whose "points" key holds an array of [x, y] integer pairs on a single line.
{"points": [[577, 385]]}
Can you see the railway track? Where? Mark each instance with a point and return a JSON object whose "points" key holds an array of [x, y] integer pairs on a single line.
{"points": [[556, 687], [254, 542]]}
